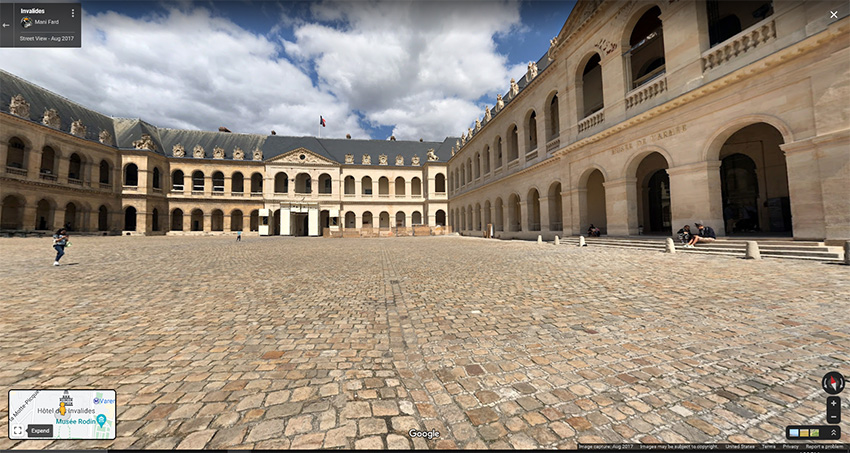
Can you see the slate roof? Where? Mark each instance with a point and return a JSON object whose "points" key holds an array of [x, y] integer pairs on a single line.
{"points": [[127, 130]]}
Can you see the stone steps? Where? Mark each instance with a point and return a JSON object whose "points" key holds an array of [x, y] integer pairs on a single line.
{"points": [[801, 250]]}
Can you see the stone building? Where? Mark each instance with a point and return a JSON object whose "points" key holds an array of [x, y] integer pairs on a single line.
{"points": [[72, 166], [644, 116]]}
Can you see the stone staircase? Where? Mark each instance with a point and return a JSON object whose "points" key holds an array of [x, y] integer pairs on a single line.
{"points": [[769, 247]]}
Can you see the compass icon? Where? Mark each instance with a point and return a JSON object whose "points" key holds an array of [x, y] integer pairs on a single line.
{"points": [[832, 383]]}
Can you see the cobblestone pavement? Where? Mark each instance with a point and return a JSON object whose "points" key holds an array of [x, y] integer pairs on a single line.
{"points": [[287, 343]]}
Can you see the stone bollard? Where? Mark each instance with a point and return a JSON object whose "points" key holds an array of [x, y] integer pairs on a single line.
{"points": [[557, 240], [539, 239], [671, 247], [581, 242], [753, 250], [847, 253]]}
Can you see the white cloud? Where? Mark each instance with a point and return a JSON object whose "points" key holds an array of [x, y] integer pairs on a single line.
{"points": [[419, 67]]}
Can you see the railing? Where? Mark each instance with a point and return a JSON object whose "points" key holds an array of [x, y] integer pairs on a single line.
{"points": [[646, 92], [531, 154], [256, 194], [197, 192], [48, 177], [157, 189], [591, 120], [177, 188], [16, 171], [556, 226], [237, 194], [739, 44], [646, 78], [553, 145], [105, 185], [534, 227], [217, 194]]}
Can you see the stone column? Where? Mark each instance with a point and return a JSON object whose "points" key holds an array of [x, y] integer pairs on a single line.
{"points": [[312, 221], [807, 189], [62, 170], [566, 212], [227, 222], [695, 194], [32, 164], [523, 215], [228, 184], [685, 36], [613, 85], [544, 214], [187, 220], [29, 219], [285, 227], [621, 206], [207, 188]]}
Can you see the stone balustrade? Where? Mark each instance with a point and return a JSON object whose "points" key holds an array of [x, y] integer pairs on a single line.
{"points": [[738, 45], [646, 92], [591, 120]]}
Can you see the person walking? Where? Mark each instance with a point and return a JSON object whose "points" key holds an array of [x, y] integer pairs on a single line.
{"points": [[60, 241], [239, 236]]}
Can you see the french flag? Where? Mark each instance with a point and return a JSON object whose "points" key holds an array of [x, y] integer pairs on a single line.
{"points": [[322, 121]]}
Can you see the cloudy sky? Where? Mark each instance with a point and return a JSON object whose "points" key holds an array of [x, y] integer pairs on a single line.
{"points": [[413, 69]]}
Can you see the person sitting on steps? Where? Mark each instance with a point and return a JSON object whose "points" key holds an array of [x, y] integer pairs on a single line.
{"points": [[705, 234], [685, 234]]}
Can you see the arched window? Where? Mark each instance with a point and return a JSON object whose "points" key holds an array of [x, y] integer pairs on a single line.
{"points": [[383, 186], [197, 220], [325, 183], [198, 181], [440, 183], [486, 159], [399, 187], [75, 169], [236, 220], [469, 170], [256, 185], [218, 181], [281, 183], [399, 219], [367, 220], [217, 220], [532, 131], [554, 128], [384, 219], [351, 220], [441, 217], [15, 157], [349, 185], [645, 56], [177, 220], [513, 144], [237, 186], [477, 166], [105, 171], [591, 86], [366, 184], [155, 220], [177, 183], [303, 183], [416, 187], [727, 19], [12, 216], [131, 175], [157, 184], [497, 152], [48, 161], [254, 221], [416, 218], [102, 219]]}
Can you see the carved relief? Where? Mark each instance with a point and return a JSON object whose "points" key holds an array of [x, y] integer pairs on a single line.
{"points": [[19, 107], [399, 160], [382, 159], [366, 159], [349, 158], [532, 72], [432, 156], [218, 152], [51, 118], [499, 102], [514, 88], [198, 152], [258, 154], [178, 151], [78, 128], [105, 138], [238, 154], [606, 46], [487, 114], [145, 143], [414, 160]]}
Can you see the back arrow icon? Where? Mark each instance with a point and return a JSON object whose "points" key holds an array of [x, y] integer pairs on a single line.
{"points": [[5, 25]]}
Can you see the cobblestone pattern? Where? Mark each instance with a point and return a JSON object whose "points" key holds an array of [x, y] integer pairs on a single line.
{"points": [[308, 343]]}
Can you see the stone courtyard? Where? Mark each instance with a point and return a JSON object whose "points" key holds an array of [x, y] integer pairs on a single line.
{"points": [[324, 343]]}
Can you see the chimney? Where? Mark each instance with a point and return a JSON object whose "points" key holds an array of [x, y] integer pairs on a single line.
{"points": [[348, 136], [392, 138], [274, 133], [420, 140], [223, 129]]}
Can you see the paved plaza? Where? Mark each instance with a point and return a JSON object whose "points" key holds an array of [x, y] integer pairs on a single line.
{"points": [[309, 342]]}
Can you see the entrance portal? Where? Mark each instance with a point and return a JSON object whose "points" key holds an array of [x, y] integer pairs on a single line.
{"points": [[653, 195]]}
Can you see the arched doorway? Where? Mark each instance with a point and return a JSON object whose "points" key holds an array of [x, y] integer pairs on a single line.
{"points": [[12, 217], [155, 220], [592, 203], [102, 219], [754, 182], [400, 219], [653, 195], [384, 218], [350, 220], [499, 217], [197, 220], [367, 220], [324, 216], [177, 220], [555, 207], [276, 222], [43, 215], [130, 218], [254, 222], [70, 217], [533, 210], [441, 217], [217, 220], [514, 213], [236, 220]]}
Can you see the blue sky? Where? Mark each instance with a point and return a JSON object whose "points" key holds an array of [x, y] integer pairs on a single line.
{"points": [[414, 69]]}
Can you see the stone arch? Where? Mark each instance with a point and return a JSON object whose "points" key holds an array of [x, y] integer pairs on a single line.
{"points": [[155, 219], [478, 217], [384, 219], [350, 220], [156, 178], [590, 97], [488, 218], [399, 186], [367, 220], [72, 216], [486, 163], [237, 183], [131, 175], [12, 215], [176, 219], [105, 176], [303, 183], [652, 195], [477, 165], [555, 206], [218, 182], [513, 142], [383, 185], [593, 200], [416, 187], [177, 180], [637, 157], [514, 212], [130, 215], [531, 138], [366, 185], [348, 185], [440, 183], [256, 184], [17, 152], [440, 217], [499, 215], [718, 139], [217, 220], [325, 184], [400, 219], [44, 212], [642, 48], [102, 218], [254, 220], [416, 218], [49, 157], [553, 116], [236, 220], [281, 182], [498, 158], [198, 181], [197, 220], [533, 208]]}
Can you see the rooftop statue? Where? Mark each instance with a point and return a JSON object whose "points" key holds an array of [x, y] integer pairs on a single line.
{"points": [[51, 118], [432, 156], [414, 160], [145, 143], [382, 159], [105, 137], [218, 152], [238, 154], [477, 125], [553, 44], [487, 115], [78, 128], [532, 72], [258, 154], [19, 107], [178, 151], [198, 152], [399, 160], [499, 102], [514, 88]]}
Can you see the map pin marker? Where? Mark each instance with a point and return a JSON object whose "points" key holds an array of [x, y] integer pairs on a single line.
{"points": [[101, 419]]}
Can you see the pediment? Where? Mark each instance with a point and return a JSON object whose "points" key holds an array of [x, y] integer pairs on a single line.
{"points": [[301, 156]]}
